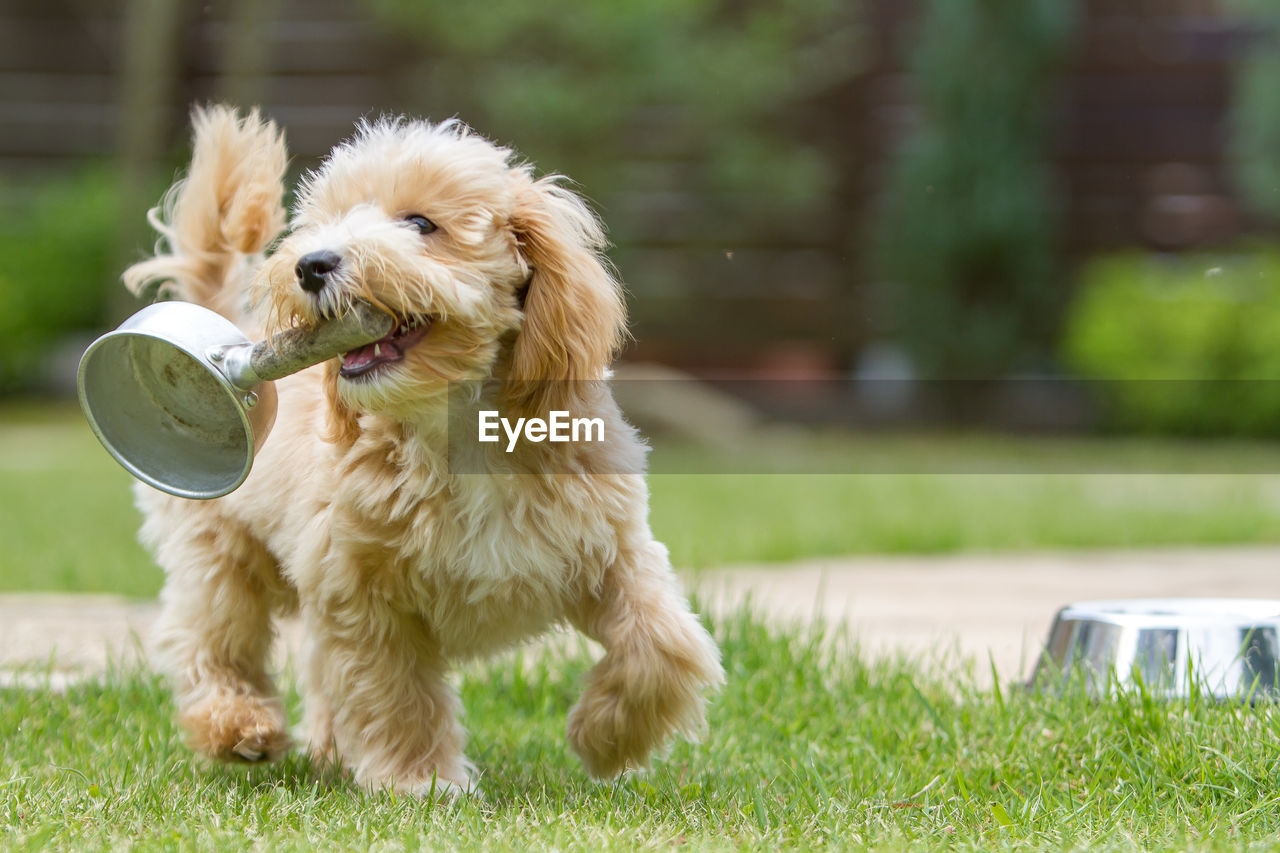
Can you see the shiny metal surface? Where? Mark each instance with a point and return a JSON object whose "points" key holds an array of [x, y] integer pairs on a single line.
{"points": [[178, 394], [1227, 648], [165, 410]]}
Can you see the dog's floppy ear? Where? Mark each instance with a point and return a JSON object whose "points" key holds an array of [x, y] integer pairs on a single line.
{"points": [[574, 314]]}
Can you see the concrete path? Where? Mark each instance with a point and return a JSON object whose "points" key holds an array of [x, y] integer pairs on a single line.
{"points": [[986, 605], [976, 605]]}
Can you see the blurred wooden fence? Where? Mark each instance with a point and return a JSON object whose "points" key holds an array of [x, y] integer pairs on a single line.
{"points": [[61, 63], [1141, 133], [1139, 155]]}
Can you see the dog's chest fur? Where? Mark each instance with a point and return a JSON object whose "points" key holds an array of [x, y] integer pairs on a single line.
{"points": [[484, 560]]}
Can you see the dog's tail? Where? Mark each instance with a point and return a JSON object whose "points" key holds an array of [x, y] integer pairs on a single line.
{"points": [[213, 222]]}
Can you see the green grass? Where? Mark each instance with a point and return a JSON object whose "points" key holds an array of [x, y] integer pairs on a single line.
{"points": [[948, 493], [805, 749], [710, 520], [68, 521]]}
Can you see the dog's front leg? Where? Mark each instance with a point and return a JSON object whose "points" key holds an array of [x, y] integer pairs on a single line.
{"points": [[658, 663], [392, 716], [214, 635]]}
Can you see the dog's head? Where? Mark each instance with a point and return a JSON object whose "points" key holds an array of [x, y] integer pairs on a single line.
{"points": [[490, 271]]}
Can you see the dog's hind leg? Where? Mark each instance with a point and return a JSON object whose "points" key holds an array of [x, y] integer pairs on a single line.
{"points": [[658, 663], [214, 633], [395, 719]]}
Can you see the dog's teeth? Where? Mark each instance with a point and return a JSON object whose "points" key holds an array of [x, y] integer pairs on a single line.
{"points": [[377, 351]]}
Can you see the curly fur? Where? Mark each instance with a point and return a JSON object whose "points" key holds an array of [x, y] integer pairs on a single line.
{"points": [[399, 567]]}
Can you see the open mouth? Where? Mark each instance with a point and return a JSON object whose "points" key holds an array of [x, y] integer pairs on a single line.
{"points": [[387, 350]]}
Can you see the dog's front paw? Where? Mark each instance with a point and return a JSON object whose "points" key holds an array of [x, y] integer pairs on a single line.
{"points": [[600, 736], [443, 791], [634, 705], [231, 727], [454, 779]]}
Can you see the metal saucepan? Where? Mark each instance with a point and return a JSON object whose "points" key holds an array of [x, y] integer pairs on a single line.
{"points": [[184, 400]]}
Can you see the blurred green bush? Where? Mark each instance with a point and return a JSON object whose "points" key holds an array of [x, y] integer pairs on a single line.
{"points": [[57, 238], [1185, 345]]}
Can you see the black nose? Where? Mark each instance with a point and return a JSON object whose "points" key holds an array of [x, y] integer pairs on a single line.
{"points": [[313, 267]]}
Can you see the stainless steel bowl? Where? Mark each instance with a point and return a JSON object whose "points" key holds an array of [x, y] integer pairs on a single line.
{"points": [[1223, 647]]}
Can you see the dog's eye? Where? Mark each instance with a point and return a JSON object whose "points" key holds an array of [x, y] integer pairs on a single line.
{"points": [[424, 225]]}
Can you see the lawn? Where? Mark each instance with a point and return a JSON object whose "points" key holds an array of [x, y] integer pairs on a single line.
{"points": [[68, 522], [810, 745]]}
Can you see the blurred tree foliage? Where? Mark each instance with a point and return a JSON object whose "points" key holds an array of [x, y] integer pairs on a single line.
{"points": [[572, 84], [57, 240], [966, 244], [1255, 112]]}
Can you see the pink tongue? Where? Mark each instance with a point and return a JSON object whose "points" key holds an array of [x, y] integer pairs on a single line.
{"points": [[356, 359]]}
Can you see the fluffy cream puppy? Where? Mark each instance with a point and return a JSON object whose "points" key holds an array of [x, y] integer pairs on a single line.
{"points": [[401, 567]]}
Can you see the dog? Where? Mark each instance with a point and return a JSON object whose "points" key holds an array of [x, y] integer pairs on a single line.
{"points": [[399, 567]]}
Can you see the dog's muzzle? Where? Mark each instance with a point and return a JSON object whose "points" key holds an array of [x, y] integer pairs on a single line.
{"points": [[313, 269]]}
